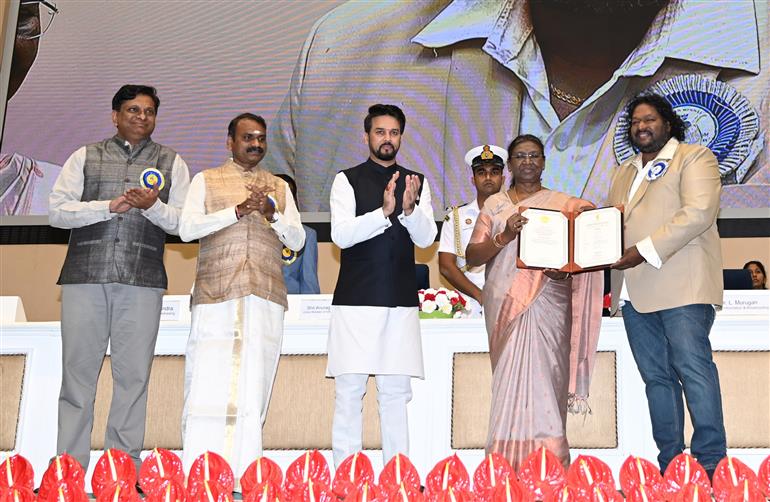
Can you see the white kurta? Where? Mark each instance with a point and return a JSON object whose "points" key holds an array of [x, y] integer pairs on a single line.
{"points": [[375, 340], [233, 350], [467, 214]]}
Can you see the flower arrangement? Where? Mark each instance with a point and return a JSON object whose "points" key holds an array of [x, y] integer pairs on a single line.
{"points": [[440, 303]]}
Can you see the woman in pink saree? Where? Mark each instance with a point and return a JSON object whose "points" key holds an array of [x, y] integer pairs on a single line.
{"points": [[543, 325]]}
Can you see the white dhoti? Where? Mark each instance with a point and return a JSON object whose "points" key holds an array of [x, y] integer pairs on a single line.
{"points": [[230, 364]]}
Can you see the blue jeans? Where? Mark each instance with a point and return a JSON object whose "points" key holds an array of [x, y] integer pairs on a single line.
{"points": [[673, 353]]}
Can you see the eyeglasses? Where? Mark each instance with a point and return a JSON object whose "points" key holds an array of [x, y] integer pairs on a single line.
{"points": [[531, 155], [27, 27]]}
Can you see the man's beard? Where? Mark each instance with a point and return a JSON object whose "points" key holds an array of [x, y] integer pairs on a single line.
{"points": [[653, 146], [385, 156]]}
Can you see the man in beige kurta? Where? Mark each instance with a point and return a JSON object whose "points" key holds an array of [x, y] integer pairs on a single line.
{"points": [[242, 216]]}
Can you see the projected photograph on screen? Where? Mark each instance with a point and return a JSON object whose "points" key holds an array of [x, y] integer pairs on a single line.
{"points": [[464, 72]]}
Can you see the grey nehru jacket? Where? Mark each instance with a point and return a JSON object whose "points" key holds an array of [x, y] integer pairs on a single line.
{"points": [[126, 249]]}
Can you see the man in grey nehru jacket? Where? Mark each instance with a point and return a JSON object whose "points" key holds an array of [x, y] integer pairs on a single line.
{"points": [[120, 197]]}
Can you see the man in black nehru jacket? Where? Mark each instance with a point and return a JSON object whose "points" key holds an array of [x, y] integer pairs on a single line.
{"points": [[379, 211]]}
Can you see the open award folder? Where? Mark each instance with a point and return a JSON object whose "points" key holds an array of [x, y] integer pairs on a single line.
{"points": [[571, 241]]}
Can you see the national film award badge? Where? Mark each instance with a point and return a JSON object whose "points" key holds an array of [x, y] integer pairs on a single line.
{"points": [[151, 177], [716, 115], [288, 256]]}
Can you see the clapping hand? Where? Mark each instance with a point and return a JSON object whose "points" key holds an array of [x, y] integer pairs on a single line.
{"points": [[389, 196], [142, 198], [119, 205], [265, 205], [411, 194], [248, 206]]}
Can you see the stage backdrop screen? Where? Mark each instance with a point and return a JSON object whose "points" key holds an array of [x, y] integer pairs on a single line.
{"points": [[466, 73]]}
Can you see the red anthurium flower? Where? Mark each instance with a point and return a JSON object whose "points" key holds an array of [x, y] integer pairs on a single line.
{"points": [[565, 493], [65, 491], [490, 473], [509, 490], [644, 493], [365, 493], [112, 468], [212, 468], [352, 473], [16, 471], [168, 490], [17, 494], [312, 492], [399, 471], [451, 495], [119, 491], [692, 492], [684, 470], [541, 472], [159, 466], [62, 468], [729, 474], [637, 472], [446, 474], [405, 493], [763, 474], [268, 491], [587, 471], [599, 492], [745, 493], [310, 466], [209, 490], [259, 472]]}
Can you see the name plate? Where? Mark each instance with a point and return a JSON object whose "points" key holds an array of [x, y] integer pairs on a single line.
{"points": [[175, 308], [749, 303], [309, 307], [12, 310], [315, 309]]}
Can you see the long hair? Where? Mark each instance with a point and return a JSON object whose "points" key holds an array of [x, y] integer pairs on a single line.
{"points": [[761, 268], [664, 109]]}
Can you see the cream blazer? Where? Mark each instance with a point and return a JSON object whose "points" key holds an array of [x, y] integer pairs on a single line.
{"points": [[678, 212]]}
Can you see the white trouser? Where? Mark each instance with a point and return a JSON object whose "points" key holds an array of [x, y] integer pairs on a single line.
{"points": [[393, 394]]}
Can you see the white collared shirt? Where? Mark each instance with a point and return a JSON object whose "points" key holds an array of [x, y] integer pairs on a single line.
{"points": [[468, 214], [578, 139]]}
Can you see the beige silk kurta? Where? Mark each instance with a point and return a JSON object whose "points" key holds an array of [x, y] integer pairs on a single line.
{"points": [[542, 338]]}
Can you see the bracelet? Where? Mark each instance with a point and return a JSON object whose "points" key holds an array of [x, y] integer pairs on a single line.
{"points": [[497, 244]]}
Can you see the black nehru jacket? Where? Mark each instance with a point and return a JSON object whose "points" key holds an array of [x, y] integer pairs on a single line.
{"points": [[378, 272]]}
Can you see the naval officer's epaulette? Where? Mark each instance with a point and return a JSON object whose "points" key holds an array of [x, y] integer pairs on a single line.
{"points": [[451, 209]]}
